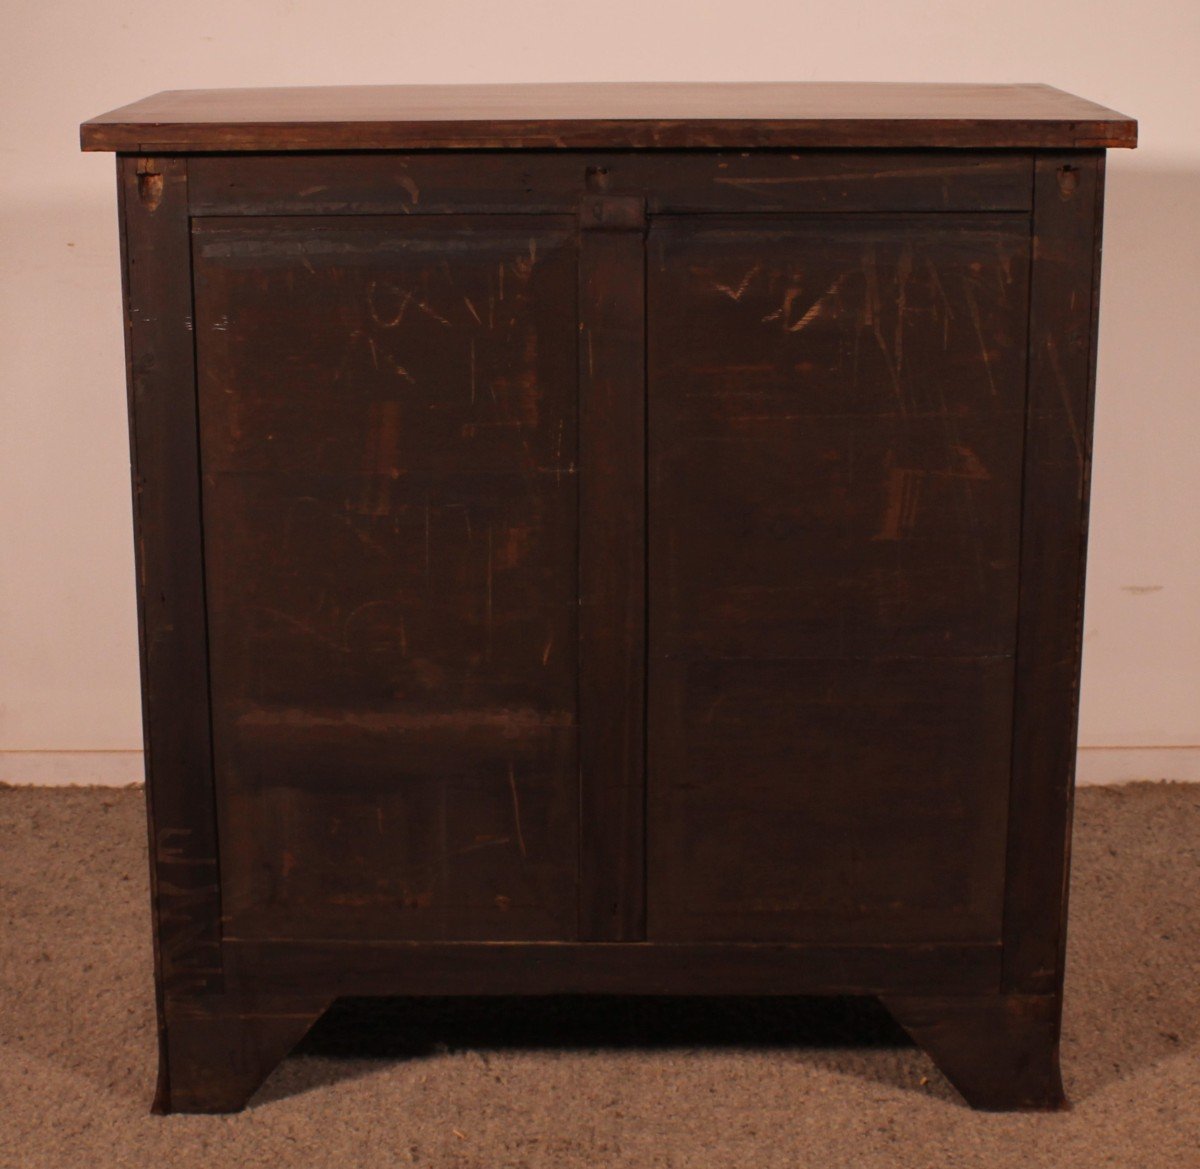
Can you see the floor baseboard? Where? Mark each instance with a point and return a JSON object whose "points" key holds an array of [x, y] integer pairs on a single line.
{"points": [[67, 768], [1096, 765], [1101, 765]]}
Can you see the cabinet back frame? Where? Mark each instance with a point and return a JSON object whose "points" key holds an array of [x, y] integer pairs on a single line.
{"points": [[160, 195], [1063, 320], [172, 622]]}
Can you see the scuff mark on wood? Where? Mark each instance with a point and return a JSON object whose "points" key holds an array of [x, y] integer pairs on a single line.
{"points": [[873, 317], [1065, 393], [977, 321], [428, 552], [431, 312], [902, 502], [904, 485], [904, 268], [150, 189], [947, 310], [387, 320], [488, 596], [380, 458], [516, 544], [816, 309], [408, 184], [973, 467], [516, 802], [740, 291]]}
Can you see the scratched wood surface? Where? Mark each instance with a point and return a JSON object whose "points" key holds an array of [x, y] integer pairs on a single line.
{"points": [[552, 182], [836, 434], [612, 571], [388, 427]]}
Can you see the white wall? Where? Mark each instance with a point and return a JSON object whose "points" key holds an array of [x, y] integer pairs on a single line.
{"points": [[68, 659]]}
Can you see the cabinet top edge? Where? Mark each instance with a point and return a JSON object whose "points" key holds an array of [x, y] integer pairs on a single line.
{"points": [[610, 115]]}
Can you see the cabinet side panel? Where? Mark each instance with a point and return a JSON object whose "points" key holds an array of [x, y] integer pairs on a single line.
{"points": [[388, 418], [1068, 200], [170, 575]]}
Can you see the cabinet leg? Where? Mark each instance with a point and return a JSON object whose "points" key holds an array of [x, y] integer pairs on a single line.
{"points": [[1000, 1051], [216, 1050]]}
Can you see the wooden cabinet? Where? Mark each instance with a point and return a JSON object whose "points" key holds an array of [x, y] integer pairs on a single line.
{"points": [[610, 539]]}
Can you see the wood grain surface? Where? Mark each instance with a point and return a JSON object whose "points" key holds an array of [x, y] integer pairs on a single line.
{"points": [[836, 431], [613, 114], [388, 424]]}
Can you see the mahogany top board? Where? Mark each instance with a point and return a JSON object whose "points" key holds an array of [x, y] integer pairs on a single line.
{"points": [[610, 115]]}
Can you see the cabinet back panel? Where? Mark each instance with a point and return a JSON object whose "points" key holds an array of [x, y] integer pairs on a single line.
{"points": [[388, 441], [836, 419]]}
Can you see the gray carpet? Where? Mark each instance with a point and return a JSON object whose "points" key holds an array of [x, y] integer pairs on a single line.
{"points": [[565, 1083]]}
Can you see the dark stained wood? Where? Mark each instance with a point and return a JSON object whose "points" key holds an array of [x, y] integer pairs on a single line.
{"points": [[1068, 202], [836, 426], [813, 800], [551, 182], [612, 566], [388, 421], [611, 570], [224, 1046], [999, 1051], [610, 115], [366, 968], [171, 610]]}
